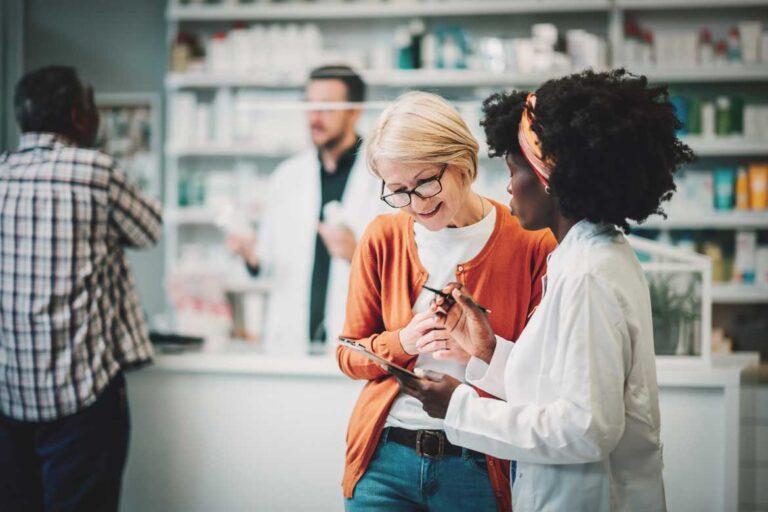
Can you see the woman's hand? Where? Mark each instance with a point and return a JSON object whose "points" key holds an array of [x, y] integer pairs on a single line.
{"points": [[420, 324], [465, 322], [442, 346], [433, 390]]}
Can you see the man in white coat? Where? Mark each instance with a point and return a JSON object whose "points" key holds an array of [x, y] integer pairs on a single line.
{"points": [[304, 254]]}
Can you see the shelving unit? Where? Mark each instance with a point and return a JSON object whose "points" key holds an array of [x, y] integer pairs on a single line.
{"points": [[711, 220], [197, 215], [362, 11], [364, 18], [727, 146], [464, 78], [727, 293], [687, 4]]}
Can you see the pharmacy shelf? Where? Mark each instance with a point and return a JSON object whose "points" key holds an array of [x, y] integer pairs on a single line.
{"points": [[456, 78], [726, 73], [248, 285], [729, 293], [226, 150], [390, 78], [687, 4], [249, 151], [712, 220], [196, 215], [297, 10], [726, 146], [702, 146], [461, 78]]}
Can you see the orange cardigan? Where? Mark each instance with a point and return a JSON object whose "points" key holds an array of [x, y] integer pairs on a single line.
{"points": [[386, 278]]}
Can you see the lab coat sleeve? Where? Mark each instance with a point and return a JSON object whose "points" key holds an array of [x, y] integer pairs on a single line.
{"points": [[585, 420], [364, 321], [135, 218], [490, 377]]}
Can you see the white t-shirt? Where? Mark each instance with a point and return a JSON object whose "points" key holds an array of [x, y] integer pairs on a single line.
{"points": [[440, 252]]}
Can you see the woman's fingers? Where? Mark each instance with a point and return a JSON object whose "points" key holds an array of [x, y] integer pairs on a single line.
{"points": [[436, 339], [425, 326]]}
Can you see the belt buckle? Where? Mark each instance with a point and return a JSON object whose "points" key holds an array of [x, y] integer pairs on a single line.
{"points": [[421, 435]]}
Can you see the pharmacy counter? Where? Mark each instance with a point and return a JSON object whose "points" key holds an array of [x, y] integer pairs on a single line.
{"points": [[237, 430]]}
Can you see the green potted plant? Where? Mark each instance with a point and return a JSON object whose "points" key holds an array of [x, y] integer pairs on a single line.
{"points": [[675, 306]]}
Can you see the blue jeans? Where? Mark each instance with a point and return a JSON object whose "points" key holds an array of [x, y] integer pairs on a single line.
{"points": [[399, 479], [68, 465]]}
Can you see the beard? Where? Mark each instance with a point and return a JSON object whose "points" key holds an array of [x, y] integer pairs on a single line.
{"points": [[332, 142]]}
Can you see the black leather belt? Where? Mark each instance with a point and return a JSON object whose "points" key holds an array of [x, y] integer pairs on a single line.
{"points": [[427, 443]]}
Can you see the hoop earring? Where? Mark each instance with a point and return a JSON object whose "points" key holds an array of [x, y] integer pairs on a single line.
{"points": [[548, 191]]}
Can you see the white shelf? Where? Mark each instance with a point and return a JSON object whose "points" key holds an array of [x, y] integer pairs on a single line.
{"points": [[248, 285], [390, 78], [688, 4], [726, 146], [296, 10], [462, 78], [721, 73], [195, 215], [703, 147], [729, 293], [233, 150], [711, 220]]}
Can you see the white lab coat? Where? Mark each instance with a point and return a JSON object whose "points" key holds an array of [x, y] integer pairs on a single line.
{"points": [[286, 247], [580, 409]]}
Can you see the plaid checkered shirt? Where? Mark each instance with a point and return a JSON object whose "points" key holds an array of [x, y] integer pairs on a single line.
{"points": [[70, 318]]}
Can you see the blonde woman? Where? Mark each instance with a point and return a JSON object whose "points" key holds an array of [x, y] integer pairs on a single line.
{"points": [[398, 457]]}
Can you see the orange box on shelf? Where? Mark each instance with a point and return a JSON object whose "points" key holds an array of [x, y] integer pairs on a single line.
{"points": [[758, 186]]}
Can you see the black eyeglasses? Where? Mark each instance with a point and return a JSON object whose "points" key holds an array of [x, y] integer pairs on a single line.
{"points": [[428, 188]]}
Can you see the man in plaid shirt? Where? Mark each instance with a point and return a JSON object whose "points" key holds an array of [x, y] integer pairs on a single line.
{"points": [[70, 320]]}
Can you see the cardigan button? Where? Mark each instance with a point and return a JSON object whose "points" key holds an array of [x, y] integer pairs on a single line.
{"points": [[460, 268]]}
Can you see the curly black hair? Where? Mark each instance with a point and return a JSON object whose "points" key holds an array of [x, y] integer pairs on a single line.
{"points": [[612, 138]]}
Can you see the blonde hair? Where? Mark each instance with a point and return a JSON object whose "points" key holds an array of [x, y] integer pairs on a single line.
{"points": [[423, 128]]}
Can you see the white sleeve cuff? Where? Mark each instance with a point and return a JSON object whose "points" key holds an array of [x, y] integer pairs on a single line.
{"points": [[452, 421], [490, 377]]}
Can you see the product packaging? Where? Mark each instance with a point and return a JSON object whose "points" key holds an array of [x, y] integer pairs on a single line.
{"points": [[751, 32], [723, 115], [761, 265], [744, 261], [708, 117], [742, 189], [724, 187], [758, 186]]}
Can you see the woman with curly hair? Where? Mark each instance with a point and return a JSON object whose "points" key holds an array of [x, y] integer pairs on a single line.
{"points": [[579, 410]]}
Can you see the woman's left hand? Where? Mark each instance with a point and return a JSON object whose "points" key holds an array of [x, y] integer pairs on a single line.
{"points": [[433, 390]]}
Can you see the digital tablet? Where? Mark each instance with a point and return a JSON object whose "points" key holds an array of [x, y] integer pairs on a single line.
{"points": [[388, 366]]}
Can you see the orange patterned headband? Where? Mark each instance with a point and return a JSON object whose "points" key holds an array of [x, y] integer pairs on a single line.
{"points": [[530, 144]]}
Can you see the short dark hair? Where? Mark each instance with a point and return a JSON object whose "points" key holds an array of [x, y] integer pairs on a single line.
{"points": [[612, 137], [354, 84], [44, 99]]}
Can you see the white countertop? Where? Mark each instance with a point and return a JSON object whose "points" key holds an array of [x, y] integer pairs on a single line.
{"points": [[244, 358]]}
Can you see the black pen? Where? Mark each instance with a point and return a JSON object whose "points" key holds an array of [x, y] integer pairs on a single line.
{"points": [[449, 297]]}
